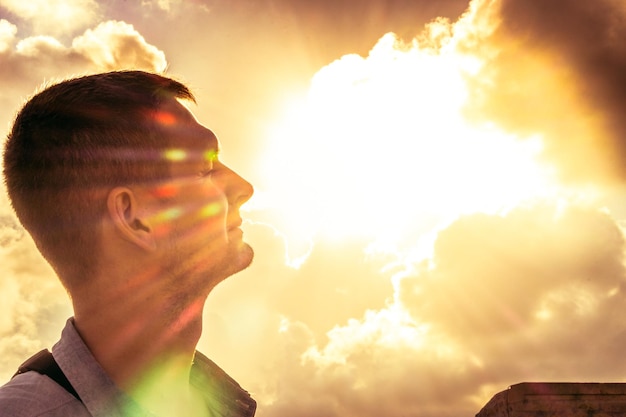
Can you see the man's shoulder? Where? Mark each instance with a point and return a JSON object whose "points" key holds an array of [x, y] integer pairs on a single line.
{"points": [[31, 394], [220, 390]]}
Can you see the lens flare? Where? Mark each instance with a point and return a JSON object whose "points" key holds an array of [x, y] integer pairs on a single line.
{"points": [[210, 155], [175, 155], [168, 215], [165, 118], [211, 210]]}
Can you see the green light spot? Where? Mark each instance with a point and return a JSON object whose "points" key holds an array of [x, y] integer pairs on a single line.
{"points": [[210, 155], [175, 155], [170, 214], [211, 210]]}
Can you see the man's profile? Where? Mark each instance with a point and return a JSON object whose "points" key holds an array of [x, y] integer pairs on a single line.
{"points": [[124, 194]]}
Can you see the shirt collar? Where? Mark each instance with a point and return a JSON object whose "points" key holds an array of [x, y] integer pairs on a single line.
{"points": [[102, 398]]}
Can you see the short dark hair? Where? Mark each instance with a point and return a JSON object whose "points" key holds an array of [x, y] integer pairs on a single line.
{"points": [[74, 141]]}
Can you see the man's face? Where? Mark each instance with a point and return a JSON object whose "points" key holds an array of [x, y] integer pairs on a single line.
{"points": [[198, 214]]}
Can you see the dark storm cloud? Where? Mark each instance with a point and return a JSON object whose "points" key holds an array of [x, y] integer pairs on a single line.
{"points": [[589, 35], [560, 70]]}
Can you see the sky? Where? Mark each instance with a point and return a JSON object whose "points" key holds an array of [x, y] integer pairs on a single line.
{"points": [[439, 189]]}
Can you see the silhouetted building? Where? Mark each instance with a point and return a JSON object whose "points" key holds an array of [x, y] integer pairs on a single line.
{"points": [[558, 399]]}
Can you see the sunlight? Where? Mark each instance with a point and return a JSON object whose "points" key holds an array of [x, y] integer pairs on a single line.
{"points": [[380, 149]]}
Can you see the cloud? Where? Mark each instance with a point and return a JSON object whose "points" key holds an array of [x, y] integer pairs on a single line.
{"points": [[55, 17], [513, 288], [556, 69], [117, 45], [110, 45], [539, 283], [329, 27], [7, 35], [336, 283], [34, 304], [299, 367], [495, 275], [28, 62], [165, 5], [334, 274], [390, 142], [531, 295]]}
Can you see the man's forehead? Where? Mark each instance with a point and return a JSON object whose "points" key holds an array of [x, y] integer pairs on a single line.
{"points": [[183, 129]]}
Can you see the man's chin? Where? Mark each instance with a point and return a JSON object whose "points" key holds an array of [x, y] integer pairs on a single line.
{"points": [[238, 259], [236, 263], [246, 255]]}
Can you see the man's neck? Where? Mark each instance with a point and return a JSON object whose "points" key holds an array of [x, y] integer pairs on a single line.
{"points": [[144, 341]]}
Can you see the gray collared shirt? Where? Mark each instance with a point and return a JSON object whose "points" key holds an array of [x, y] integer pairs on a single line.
{"points": [[31, 394]]}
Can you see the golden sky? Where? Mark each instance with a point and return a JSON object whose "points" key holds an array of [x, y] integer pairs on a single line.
{"points": [[439, 189]]}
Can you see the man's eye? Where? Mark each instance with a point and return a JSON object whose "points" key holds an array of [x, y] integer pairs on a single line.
{"points": [[206, 172], [209, 157]]}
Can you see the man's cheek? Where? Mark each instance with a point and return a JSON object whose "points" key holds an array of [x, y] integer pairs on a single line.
{"points": [[201, 219], [213, 210], [208, 219], [204, 202]]}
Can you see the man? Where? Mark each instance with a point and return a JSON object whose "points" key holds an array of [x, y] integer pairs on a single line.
{"points": [[124, 194]]}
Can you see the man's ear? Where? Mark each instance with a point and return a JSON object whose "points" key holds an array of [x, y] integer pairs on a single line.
{"points": [[123, 211]]}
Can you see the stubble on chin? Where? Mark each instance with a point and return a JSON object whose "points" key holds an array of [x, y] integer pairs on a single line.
{"points": [[203, 270], [244, 257], [238, 258]]}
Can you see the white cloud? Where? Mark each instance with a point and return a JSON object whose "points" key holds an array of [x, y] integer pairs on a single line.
{"points": [[35, 46], [114, 45], [54, 16], [7, 35], [27, 63], [396, 148], [110, 45]]}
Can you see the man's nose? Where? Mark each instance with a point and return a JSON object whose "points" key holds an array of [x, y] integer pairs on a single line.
{"points": [[238, 189]]}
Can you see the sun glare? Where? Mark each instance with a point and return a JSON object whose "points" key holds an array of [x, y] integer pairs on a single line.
{"points": [[380, 149]]}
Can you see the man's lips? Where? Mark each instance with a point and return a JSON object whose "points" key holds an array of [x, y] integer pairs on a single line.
{"points": [[234, 225]]}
